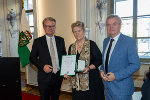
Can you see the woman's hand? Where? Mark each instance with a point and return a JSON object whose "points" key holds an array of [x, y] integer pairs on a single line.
{"points": [[86, 70], [92, 67], [65, 76]]}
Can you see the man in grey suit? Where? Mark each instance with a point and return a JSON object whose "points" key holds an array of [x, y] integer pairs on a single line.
{"points": [[120, 61], [46, 55]]}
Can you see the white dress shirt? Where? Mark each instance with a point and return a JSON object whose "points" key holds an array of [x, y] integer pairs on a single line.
{"points": [[55, 49], [112, 47]]}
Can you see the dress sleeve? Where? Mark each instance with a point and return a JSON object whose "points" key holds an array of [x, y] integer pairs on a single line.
{"points": [[95, 54]]}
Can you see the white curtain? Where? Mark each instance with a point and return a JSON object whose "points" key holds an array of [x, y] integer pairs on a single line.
{"points": [[9, 27], [94, 13]]}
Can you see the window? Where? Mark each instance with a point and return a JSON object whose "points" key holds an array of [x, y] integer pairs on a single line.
{"points": [[135, 15], [28, 5]]}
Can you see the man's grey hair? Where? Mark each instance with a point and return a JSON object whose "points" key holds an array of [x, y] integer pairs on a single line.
{"points": [[114, 16], [49, 19]]}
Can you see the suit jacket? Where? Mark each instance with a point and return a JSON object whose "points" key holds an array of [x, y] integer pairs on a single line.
{"points": [[40, 55], [146, 90], [124, 61]]}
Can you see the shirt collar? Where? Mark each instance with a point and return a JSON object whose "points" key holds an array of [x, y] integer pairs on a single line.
{"points": [[116, 37], [50, 37]]}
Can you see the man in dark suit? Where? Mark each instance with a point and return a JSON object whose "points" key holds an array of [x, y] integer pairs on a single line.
{"points": [[46, 55], [120, 61]]}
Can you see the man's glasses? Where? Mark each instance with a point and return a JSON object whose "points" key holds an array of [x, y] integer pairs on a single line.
{"points": [[113, 24], [49, 26]]}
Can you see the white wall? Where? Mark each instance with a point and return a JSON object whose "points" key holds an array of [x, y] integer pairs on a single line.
{"points": [[64, 11]]}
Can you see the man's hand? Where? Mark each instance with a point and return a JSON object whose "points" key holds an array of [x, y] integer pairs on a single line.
{"points": [[110, 76], [107, 77], [103, 75], [48, 68]]}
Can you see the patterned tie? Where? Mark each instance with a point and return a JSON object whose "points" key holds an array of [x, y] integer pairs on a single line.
{"points": [[53, 58], [107, 55]]}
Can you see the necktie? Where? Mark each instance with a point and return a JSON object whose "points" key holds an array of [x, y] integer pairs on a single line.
{"points": [[107, 55], [53, 58]]}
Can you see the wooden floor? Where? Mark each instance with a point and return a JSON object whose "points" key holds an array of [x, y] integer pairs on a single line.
{"points": [[34, 90], [63, 96]]}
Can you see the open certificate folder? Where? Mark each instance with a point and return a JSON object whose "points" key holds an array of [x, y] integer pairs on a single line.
{"points": [[68, 65]]}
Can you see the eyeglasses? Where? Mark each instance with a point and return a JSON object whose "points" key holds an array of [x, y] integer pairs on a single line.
{"points": [[114, 24], [49, 26]]}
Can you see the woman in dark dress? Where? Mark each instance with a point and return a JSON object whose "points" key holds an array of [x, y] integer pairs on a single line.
{"points": [[86, 85], [146, 87]]}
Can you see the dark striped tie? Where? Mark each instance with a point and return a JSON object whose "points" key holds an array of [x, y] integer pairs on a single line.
{"points": [[107, 55]]}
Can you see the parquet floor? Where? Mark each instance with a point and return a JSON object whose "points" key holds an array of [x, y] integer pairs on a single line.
{"points": [[34, 90], [64, 95]]}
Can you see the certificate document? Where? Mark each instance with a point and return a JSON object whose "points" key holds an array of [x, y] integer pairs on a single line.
{"points": [[68, 65]]}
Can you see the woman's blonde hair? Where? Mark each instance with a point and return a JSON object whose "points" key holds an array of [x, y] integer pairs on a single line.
{"points": [[78, 24]]}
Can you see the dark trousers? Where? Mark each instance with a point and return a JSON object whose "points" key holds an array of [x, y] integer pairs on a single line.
{"points": [[51, 87]]}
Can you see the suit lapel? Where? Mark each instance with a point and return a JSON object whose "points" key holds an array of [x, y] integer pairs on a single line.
{"points": [[104, 47], [44, 42], [105, 44], [116, 49]]}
